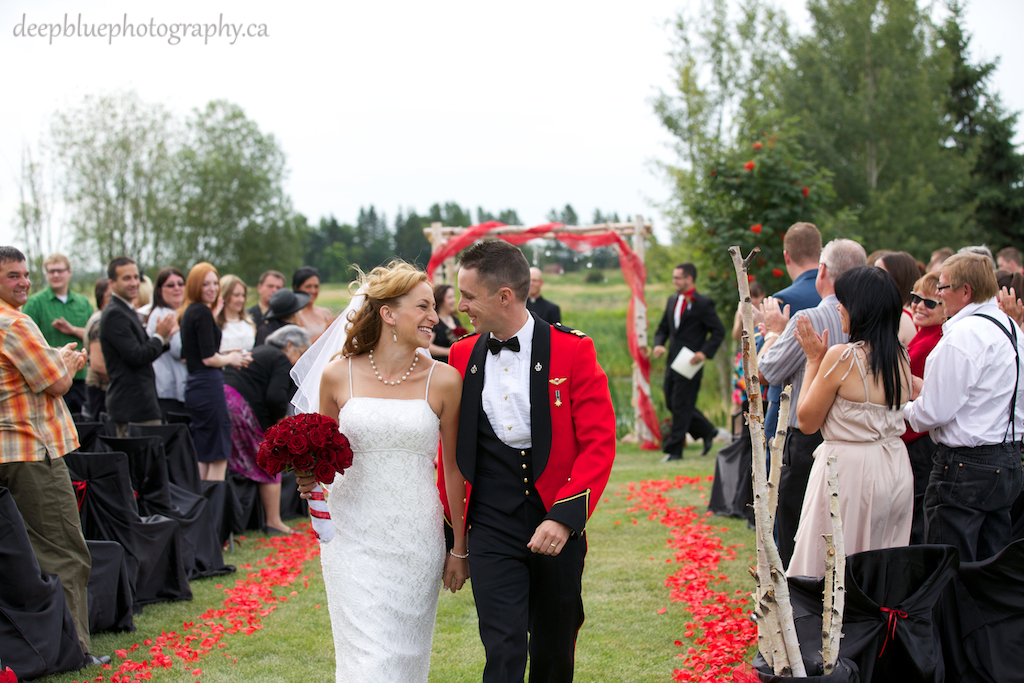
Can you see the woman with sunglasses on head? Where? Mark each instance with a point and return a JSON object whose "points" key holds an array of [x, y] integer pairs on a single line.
{"points": [[171, 373], [929, 314]]}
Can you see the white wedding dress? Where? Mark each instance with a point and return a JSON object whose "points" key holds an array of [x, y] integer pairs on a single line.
{"points": [[383, 569]]}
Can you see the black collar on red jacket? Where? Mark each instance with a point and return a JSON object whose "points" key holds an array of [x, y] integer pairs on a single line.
{"points": [[540, 410]]}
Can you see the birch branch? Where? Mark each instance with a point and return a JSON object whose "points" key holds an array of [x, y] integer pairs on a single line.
{"points": [[830, 643], [776, 629], [778, 443], [828, 595]]}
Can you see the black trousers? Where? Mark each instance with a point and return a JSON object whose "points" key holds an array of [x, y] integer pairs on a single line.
{"points": [[525, 602], [921, 452], [797, 458], [681, 400]]}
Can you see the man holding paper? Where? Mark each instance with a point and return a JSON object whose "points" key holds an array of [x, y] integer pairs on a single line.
{"points": [[693, 332]]}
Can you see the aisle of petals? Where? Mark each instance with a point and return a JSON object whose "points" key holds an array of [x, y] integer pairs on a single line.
{"points": [[248, 602], [721, 628]]}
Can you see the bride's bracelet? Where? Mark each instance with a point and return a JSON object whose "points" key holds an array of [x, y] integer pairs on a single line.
{"points": [[461, 557]]}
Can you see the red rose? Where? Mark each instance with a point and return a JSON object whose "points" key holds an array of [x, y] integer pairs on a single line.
{"points": [[776, 272], [806, 191], [297, 443], [756, 228], [749, 165], [756, 145], [343, 458], [269, 461], [304, 461], [324, 472], [318, 438], [459, 331]]}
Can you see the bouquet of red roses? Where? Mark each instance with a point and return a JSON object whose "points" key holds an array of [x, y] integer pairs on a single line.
{"points": [[309, 444]]}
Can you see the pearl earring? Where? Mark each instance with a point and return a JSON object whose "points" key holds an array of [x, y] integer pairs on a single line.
{"points": [[394, 334]]}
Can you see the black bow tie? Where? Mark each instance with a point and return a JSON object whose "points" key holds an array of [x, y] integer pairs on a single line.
{"points": [[495, 346]]}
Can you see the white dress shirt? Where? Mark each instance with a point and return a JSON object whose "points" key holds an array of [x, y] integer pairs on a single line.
{"points": [[968, 382], [506, 393]]}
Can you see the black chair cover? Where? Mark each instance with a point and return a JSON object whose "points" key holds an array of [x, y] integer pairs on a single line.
{"points": [[182, 463], [108, 425], [110, 588], [292, 505], [37, 635], [846, 672], [981, 620], [152, 544], [732, 492], [147, 465], [227, 510], [178, 418], [88, 435], [248, 495], [888, 627]]}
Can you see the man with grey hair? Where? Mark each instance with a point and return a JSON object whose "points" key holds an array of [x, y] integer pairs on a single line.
{"points": [[980, 250], [781, 361]]}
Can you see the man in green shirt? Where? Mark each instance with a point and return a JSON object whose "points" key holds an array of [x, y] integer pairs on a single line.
{"points": [[61, 314]]}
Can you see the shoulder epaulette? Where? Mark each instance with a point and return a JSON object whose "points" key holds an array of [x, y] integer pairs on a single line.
{"points": [[568, 330], [467, 336]]}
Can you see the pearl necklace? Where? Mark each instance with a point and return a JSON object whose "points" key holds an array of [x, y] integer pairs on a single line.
{"points": [[415, 359]]}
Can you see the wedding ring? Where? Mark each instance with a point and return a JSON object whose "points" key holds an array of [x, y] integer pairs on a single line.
{"points": [[554, 545]]}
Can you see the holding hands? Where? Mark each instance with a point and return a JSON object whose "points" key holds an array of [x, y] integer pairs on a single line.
{"points": [[814, 346]]}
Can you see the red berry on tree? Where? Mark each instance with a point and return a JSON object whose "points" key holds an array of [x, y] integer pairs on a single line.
{"points": [[776, 272], [749, 165], [806, 191], [756, 228]]}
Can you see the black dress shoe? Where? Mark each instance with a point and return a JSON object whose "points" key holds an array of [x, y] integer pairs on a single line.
{"points": [[709, 441], [672, 457], [93, 660], [271, 531]]}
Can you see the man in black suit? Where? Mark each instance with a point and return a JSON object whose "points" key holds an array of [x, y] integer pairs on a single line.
{"points": [[545, 310], [129, 352], [689, 321]]}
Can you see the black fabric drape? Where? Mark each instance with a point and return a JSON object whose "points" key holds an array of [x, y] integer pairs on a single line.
{"points": [[180, 451], [292, 505], [981, 620], [110, 588], [147, 465], [246, 491], [37, 635], [88, 433], [732, 491], [227, 510], [109, 513]]}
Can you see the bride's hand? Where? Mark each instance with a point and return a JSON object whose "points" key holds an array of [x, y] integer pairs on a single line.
{"points": [[306, 484], [456, 573]]}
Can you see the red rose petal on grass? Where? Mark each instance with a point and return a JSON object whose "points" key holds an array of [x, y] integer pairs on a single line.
{"points": [[749, 165], [663, 610]]}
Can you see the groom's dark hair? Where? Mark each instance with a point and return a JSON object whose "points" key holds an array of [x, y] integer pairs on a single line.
{"points": [[500, 264]]}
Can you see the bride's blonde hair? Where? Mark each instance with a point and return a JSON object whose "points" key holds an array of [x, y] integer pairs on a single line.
{"points": [[384, 286]]}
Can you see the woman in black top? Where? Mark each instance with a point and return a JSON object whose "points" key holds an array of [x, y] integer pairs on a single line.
{"points": [[448, 328], [204, 391]]}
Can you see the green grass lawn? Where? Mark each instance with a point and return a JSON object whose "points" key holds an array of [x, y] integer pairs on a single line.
{"points": [[624, 638]]}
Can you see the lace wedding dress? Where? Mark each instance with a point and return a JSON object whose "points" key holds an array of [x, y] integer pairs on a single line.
{"points": [[383, 569]]}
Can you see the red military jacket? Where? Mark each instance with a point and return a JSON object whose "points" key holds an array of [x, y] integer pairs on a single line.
{"points": [[572, 421]]}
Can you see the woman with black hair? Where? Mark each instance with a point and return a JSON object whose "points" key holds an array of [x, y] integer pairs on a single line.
{"points": [[860, 415], [316, 319]]}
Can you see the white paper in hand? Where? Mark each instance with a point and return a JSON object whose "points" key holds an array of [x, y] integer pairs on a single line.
{"points": [[682, 363]]}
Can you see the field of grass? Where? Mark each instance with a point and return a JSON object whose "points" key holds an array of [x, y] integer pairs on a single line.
{"points": [[625, 639]]}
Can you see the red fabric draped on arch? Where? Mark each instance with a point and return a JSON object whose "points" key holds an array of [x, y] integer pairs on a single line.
{"points": [[633, 270]]}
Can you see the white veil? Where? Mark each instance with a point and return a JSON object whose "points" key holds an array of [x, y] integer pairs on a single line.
{"points": [[307, 372]]}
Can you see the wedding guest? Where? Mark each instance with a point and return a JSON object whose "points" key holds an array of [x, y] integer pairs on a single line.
{"points": [[980, 250], [902, 267], [1009, 259], [257, 397], [929, 315], [937, 259], [129, 352], [689, 321], [61, 315], [856, 403], [36, 431], [270, 281], [756, 297], [169, 368], [548, 311], [1007, 280], [144, 299], [96, 379], [971, 411], [448, 328], [782, 361], [204, 390], [314, 318], [285, 306], [237, 329]]}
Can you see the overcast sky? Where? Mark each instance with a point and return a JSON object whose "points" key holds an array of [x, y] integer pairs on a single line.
{"points": [[526, 105]]}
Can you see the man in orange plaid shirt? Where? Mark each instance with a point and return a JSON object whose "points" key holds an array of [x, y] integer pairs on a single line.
{"points": [[36, 431]]}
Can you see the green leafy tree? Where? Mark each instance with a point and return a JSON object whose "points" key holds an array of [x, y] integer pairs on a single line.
{"points": [[116, 155], [451, 215], [235, 213], [332, 250]]}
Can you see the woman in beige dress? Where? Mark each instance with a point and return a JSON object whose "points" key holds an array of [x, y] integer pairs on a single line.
{"points": [[854, 394], [316, 319]]}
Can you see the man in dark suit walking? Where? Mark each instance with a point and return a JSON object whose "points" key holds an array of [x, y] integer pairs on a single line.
{"points": [[689, 321], [536, 443], [129, 352]]}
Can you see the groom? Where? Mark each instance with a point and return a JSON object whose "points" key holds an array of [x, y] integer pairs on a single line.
{"points": [[536, 444]]}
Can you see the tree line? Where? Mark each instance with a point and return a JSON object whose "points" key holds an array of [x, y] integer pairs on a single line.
{"points": [[137, 181]]}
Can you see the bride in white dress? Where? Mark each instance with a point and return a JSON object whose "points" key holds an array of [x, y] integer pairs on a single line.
{"points": [[386, 565]]}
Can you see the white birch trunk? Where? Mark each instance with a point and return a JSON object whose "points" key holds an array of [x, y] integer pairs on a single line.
{"points": [[834, 611]]}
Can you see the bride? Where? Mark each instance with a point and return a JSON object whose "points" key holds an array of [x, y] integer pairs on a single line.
{"points": [[385, 566]]}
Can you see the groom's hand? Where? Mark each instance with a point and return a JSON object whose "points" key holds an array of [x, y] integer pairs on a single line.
{"points": [[549, 538]]}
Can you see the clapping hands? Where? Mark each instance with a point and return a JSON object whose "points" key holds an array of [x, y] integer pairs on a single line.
{"points": [[775, 317], [1011, 305], [73, 360], [814, 346]]}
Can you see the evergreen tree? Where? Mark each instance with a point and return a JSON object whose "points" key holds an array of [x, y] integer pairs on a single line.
{"points": [[373, 236], [410, 242]]}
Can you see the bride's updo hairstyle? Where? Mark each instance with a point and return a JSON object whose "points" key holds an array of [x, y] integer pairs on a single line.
{"points": [[384, 286]]}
